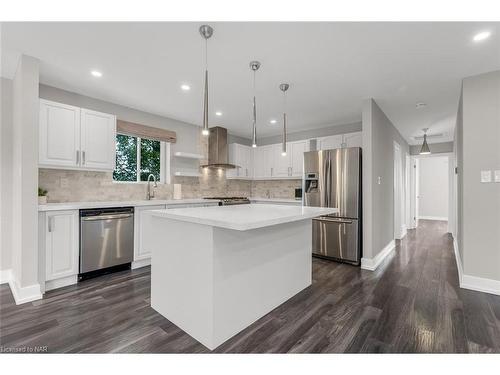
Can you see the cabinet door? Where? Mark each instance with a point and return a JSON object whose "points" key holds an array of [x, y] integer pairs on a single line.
{"points": [[245, 158], [233, 159], [353, 139], [98, 140], [59, 138], [268, 162], [327, 143], [258, 162], [282, 163], [297, 150], [142, 248], [61, 246]]}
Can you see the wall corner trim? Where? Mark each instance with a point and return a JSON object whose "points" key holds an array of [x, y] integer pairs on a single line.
{"points": [[478, 284], [24, 294], [371, 264]]}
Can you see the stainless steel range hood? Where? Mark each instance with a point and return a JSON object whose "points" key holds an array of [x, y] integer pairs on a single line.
{"points": [[217, 149]]}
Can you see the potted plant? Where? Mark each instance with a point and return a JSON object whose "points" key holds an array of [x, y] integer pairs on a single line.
{"points": [[42, 196]]}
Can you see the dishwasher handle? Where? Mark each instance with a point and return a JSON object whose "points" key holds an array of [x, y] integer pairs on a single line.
{"points": [[106, 217]]}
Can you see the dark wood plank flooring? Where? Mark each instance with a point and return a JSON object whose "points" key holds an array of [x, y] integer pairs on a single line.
{"points": [[412, 303]]}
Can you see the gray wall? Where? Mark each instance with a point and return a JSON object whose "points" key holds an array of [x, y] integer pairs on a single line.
{"points": [[379, 135], [6, 175], [313, 133], [480, 149], [436, 148]]}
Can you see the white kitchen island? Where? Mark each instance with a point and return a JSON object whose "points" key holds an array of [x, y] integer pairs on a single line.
{"points": [[216, 270]]}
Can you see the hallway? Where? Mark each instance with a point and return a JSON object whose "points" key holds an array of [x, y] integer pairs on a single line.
{"points": [[412, 303]]}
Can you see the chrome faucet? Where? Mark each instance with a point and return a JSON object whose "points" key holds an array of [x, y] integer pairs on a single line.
{"points": [[150, 195]]}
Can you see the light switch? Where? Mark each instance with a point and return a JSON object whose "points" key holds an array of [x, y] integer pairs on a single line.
{"points": [[64, 182], [485, 176], [497, 175]]}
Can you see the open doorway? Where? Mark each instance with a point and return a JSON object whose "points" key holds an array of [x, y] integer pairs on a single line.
{"points": [[431, 197]]}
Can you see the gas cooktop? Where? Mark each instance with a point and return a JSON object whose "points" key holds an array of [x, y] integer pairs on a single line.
{"points": [[227, 201]]}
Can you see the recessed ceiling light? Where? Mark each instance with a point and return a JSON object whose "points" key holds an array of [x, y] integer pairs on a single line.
{"points": [[185, 87], [273, 121], [218, 113], [481, 36], [420, 105], [96, 73]]}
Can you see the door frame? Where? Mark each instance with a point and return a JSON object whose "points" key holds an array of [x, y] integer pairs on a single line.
{"points": [[398, 199], [414, 189]]}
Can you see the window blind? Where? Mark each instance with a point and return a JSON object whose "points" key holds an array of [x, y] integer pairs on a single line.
{"points": [[143, 131]]}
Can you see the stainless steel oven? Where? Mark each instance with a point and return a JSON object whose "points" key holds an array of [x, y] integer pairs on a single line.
{"points": [[106, 238]]}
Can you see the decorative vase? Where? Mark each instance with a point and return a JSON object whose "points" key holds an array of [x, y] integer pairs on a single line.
{"points": [[42, 199]]}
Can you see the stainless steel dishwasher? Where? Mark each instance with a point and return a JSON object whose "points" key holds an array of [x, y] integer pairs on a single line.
{"points": [[106, 240]]}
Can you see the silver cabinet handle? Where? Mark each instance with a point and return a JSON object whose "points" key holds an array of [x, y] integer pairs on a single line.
{"points": [[83, 157], [77, 157], [246, 171], [271, 171]]}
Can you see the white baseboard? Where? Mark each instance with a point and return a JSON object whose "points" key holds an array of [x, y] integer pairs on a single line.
{"points": [[59, 283], [5, 276], [404, 230], [440, 218], [372, 264], [478, 284], [140, 263], [24, 294]]}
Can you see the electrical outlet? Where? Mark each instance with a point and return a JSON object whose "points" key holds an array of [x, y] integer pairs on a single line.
{"points": [[497, 175], [485, 176], [379, 180], [64, 182]]}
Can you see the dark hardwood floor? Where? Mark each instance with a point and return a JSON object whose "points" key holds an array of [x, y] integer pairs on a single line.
{"points": [[410, 304]]}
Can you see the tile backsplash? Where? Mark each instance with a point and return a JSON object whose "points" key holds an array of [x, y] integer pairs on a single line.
{"points": [[73, 186]]}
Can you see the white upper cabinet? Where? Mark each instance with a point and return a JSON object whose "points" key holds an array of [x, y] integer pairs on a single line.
{"points": [[59, 138], [264, 162], [282, 163], [353, 139], [327, 143], [241, 156], [98, 137], [76, 138], [61, 244], [297, 149], [340, 140]]}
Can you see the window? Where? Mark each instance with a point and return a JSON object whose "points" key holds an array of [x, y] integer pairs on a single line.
{"points": [[137, 158]]}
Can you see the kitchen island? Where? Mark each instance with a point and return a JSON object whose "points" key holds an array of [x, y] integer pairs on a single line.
{"points": [[216, 270]]}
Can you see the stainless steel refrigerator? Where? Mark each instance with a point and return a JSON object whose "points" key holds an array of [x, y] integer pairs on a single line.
{"points": [[332, 178]]}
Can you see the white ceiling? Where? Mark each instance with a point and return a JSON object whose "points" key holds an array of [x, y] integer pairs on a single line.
{"points": [[331, 68]]}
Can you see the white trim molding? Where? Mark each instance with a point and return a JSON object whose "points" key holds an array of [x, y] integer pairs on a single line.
{"points": [[5, 276], [140, 263], [372, 264], [440, 218], [475, 283], [60, 283], [24, 294]]}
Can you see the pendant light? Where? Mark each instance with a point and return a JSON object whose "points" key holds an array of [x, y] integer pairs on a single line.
{"points": [[284, 87], [425, 150], [254, 65], [206, 32]]}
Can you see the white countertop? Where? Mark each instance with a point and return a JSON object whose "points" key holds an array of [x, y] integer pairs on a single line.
{"points": [[244, 217], [136, 203]]}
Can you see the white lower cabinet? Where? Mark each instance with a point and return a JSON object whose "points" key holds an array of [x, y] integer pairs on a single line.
{"points": [[141, 249], [61, 244]]}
